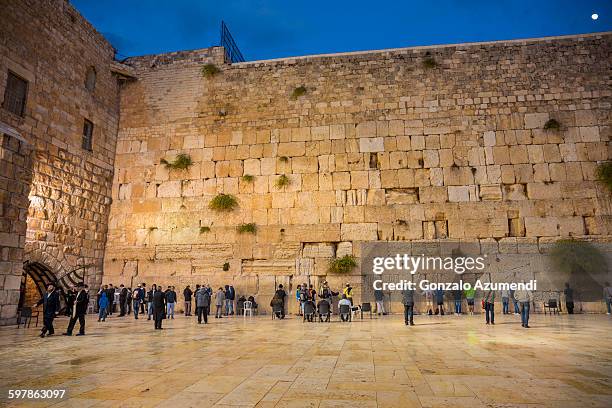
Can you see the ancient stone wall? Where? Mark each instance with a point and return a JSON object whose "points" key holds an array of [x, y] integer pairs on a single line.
{"points": [[52, 47], [418, 144], [15, 179]]}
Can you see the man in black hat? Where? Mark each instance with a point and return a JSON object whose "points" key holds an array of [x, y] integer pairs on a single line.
{"points": [[78, 311], [159, 306], [51, 306]]}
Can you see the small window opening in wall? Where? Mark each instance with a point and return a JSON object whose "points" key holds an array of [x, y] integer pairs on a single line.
{"points": [[90, 79], [88, 135], [15, 94]]}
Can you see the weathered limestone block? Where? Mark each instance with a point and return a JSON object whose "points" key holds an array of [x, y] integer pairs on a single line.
{"points": [[344, 248], [401, 196], [541, 226], [543, 191], [491, 192], [432, 194], [458, 193], [371, 144], [535, 120], [318, 250], [359, 232]]}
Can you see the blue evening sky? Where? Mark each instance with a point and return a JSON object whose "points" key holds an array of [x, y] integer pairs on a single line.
{"points": [[267, 29]]}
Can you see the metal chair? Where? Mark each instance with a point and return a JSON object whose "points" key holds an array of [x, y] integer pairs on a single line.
{"points": [[277, 310], [248, 308], [309, 311], [324, 310], [27, 314], [552, 306], [345, 310], [366, 307]]}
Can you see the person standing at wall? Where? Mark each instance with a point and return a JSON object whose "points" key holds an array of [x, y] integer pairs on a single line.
{"points": [[281, 295], [202, 299], [408, 301], [489, 306], [187, 295], [150, 301], [143, 294], [524, 297], [429, 300], [51, 307], [439, 297], [457, 296], [123, 292], [79, 311], [110, 294], [219, 303], [569, 298], [158, 304], [505, 296], [170, 302], [379, 298], [514, 302], [470, 294], [607, 295], [136, 301]]}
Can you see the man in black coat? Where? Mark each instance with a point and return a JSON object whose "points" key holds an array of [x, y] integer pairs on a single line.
{"points": [[187, 295], [159, 307], [123, 292], [79, 311], [110, 294], [51, 306]]}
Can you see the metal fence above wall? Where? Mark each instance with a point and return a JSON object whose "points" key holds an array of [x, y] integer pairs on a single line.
{"points": [[232, 53]]}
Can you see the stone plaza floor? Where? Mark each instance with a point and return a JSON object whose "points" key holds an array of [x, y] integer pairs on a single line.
{"points": [[450, 361]]}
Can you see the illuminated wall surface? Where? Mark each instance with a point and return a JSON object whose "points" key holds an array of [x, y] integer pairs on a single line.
{"points": [[426, 146]]}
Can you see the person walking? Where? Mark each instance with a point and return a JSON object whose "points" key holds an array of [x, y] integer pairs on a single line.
{"points": [[202, 299], [123, 292], [187, 295], [110, 295], [470, 294], [70, 299], [219, 302], [79, 311], [170, 302], [505, 295], [524, 297], [379, 298], [569, 298], [51, 307], [607, 295], [489, 305], [143, 295], [408, 301], [103, 306], [158, 304]]}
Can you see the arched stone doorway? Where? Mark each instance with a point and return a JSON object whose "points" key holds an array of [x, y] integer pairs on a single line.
{"points": [[37, 276]]}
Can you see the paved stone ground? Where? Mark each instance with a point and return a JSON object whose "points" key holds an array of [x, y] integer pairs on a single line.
{"points": [[562, 361]]}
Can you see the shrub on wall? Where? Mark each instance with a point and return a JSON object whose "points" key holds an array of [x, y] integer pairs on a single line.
{"points": [[604, 174], [342, 265], [210, 70], [552, 124], [284, 159], [429, 62], [204, 229], [181, 162], [226, 266], [247, 178], [282, 181], [223, 202], [249, 228], [299, 91]]}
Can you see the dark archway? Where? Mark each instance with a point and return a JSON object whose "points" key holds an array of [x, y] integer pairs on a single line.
{"points": [[40, 275]]}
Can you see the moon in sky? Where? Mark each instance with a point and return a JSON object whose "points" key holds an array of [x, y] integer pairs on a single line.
{"points": [[594, 16]]}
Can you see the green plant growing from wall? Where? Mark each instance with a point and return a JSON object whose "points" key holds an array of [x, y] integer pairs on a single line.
{"points": [[603, 172], [204, 229], [429, 63], [210, 70], [284, 159], [223, 202], [297, 92], [342, 265], [247, 178], [151, 229], [282, 181], [249, 228], [552, 124], [226, 266], [181, 162]]}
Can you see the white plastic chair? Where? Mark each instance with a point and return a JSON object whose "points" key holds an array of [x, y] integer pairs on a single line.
{"points": [[247, 308]]}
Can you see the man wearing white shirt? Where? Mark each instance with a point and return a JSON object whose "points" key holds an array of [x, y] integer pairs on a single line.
{"points": [[524, 298]]}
